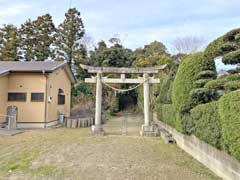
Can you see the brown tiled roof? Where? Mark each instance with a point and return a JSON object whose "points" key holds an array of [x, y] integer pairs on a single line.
{"points": [[37, 66]]}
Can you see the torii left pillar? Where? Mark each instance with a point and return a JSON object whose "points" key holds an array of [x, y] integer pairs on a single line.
{"points": [[147, 127], [97, 128]]}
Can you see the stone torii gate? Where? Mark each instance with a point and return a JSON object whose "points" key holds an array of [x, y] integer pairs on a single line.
{"points": [[147, 128]]}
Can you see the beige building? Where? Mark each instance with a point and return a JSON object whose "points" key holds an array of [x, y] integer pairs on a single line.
{"points": [[39, 90]]}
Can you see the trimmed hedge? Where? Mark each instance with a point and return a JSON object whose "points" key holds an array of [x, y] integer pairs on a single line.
{"points": [[184, 83], [218, 84], [232, 85], [229, 111], [234, 71], [165, 90], [212, 50], [202, 95], [227, 46], [206, 74], [166, 113], [232, 57], [207, 123], [201, 83]]}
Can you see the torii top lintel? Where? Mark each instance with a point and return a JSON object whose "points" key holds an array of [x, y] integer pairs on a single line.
{"points": [[123, 70]]}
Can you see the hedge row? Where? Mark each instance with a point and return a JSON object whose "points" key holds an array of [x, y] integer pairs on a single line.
{"points": [[224, 84], [227, 46], [229, 111], [166, 113], [165, 89], [207, 123], [194, 109], [185, 92], [216, 123]]}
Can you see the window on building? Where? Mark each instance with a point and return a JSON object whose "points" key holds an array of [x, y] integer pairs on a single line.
{"points": [[19, 97], [61, 97], [37, 97]]}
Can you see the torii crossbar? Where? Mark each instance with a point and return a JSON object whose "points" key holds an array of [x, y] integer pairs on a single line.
{"points": [[147, 128]]}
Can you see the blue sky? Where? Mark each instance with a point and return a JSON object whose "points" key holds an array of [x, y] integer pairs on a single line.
{"points": [[137, 22]]}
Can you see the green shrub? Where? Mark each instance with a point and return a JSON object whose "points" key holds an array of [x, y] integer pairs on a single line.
{"points": [[232, 85], [207, 123], [212, 50], [227, 46], [114, 105], [232, 57], [231, 35], [184, 123], [201, 83], [82, 89], [140, 98], [166, 113], [164, 90], [202, 95], [184, 81], [234, 71], [229, 112], [218, 84], [206, 74], [183, 84]]}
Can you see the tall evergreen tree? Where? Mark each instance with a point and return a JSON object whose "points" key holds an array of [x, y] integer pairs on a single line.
{"points": [[9, 43], [37, 38], [68, 43], [28, 41], [45, 35]]}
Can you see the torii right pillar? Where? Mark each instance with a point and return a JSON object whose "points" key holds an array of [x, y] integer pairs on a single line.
{"points": [[147, 127]]}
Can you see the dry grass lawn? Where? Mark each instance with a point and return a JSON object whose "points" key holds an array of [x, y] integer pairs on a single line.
{"points": [[74, 154]]}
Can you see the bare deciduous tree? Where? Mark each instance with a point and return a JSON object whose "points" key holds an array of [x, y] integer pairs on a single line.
{"points": [[188, 44], [88, 42]]}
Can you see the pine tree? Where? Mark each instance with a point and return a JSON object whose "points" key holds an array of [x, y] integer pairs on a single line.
{"points": [[9, 43], [37, 38], [45, 35], [27, 41], [68, 42]]}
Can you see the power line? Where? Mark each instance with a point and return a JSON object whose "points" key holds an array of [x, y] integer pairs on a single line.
{"points": [[70, 4]]}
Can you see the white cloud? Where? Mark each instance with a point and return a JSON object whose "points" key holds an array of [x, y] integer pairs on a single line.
{"points": [[138, 22], [9, 10], [13, 10]]}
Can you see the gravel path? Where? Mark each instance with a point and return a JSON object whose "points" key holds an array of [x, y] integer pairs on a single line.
{"points": [[74, 154]]}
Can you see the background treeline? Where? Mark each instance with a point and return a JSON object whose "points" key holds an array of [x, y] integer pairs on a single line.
{"points": [[41, 40], [198, 101]]}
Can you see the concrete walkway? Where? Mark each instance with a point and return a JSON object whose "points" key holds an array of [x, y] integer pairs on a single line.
{"points": [[125, 123], [6, 132]]}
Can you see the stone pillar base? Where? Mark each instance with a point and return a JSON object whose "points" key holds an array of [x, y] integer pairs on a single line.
{"points": [[149, 131], [97, 130]]}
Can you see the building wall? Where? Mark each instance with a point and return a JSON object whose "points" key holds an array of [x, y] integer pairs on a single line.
{"points": [[58, 80], [28, 82], [3, 97]]}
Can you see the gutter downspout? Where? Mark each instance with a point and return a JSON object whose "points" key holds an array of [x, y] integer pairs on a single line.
{"points": [[46, 100]]}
